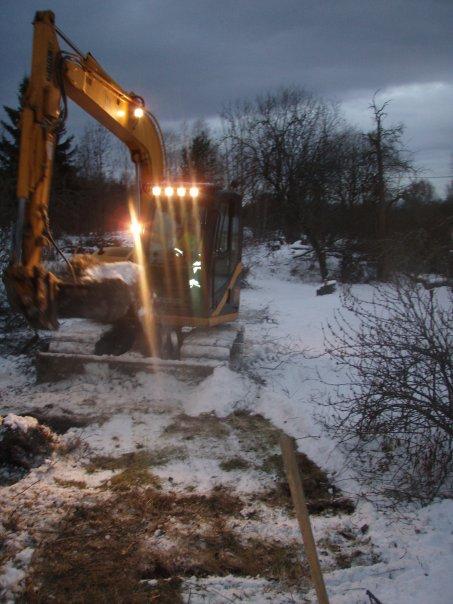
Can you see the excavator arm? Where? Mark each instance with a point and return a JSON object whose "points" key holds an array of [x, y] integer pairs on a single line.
{"points": [[55, 76]]}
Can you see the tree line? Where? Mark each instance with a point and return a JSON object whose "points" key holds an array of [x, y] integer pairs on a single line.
{"points": [[303, 171]]}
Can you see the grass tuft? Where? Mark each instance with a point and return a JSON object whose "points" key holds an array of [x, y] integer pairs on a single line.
{"points": [[137, 459], [235, 463], [71, 484]]}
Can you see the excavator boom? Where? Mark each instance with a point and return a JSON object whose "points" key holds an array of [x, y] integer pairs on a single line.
{"points": [[55, 76]]}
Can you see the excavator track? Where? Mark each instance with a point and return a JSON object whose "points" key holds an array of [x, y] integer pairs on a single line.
{"points": [[73, 349]]}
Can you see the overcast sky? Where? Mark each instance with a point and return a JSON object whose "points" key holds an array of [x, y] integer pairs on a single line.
{"points": [[188, 58]]}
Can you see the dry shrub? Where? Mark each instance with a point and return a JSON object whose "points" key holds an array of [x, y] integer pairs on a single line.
{"points": [[394, 409]]}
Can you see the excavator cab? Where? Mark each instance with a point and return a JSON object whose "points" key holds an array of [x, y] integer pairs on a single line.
{"points": [[226, 249], [193, 254]]}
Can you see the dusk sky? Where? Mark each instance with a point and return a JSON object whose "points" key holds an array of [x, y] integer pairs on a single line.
{"points": [[188, 58]]}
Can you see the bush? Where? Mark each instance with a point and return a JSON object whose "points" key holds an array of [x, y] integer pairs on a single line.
{"points": [[395, 409]]}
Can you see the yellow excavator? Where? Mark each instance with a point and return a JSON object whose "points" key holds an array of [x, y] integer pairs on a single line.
{"points": [[180, 307]]}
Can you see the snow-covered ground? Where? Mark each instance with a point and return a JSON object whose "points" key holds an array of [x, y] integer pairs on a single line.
{"points": [[189, 430]]}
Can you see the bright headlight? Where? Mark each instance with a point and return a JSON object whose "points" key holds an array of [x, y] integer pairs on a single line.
{"points": [[138, 112], [156, 191], [194, 191], [169, 191], [181, 191], [136, 228]]}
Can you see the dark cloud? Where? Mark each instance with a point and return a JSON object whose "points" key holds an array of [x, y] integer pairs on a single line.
{"points": [[190, 57]]}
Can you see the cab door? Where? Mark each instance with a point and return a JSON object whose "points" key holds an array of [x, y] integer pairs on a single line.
{"points": [[227, 248]]}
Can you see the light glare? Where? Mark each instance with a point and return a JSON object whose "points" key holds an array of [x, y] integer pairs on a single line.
{"points": [[194, 191], [169, 191], [138, 112], [157, 191], [181, 191], [136, 228]]}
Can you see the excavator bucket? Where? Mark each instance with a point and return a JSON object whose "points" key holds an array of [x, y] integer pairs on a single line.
{"points": [[32, 293], [104, 301], [39, 294]]}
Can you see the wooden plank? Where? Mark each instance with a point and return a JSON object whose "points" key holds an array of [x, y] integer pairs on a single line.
{"points": [[289, 453]]}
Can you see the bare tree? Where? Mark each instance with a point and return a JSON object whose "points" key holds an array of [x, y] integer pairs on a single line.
{"points": [[174, 143], [389, 164], [394, 410], [94, 153], [280, 149]]}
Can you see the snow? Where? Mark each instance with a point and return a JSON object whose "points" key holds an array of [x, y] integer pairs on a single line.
{"points": [[21, 423], [129, 272], [286, 378], [416, 547], [417, 561], [14, 572], [217, 590], [12, 373], [222, 392], [11, 577]]}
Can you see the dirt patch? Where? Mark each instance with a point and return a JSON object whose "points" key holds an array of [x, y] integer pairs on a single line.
{"points": [[137, 459], [255, 433], [259, 447], [349, 548], [60, 424], [130, 478], [206, 425], [71, 484], [235, 463], [112, 550], [321, 494], [25, 444]]}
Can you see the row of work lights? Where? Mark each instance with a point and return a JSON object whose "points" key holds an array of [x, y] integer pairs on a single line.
{"points": [[170, 191]]}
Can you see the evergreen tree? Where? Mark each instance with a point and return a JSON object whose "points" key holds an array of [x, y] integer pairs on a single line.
{"points": [[9, 156], [200, 161]]}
